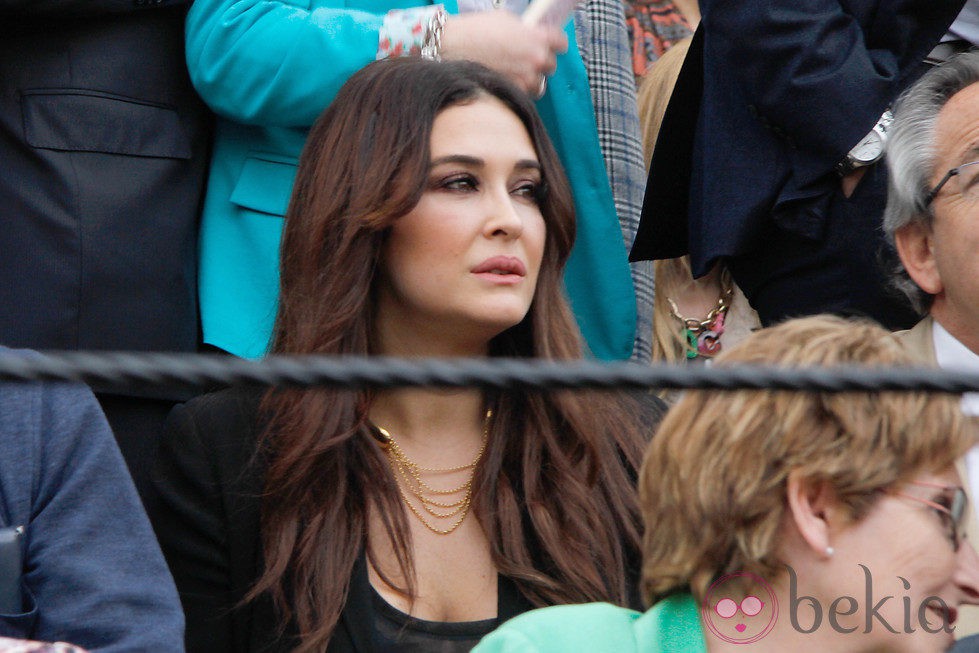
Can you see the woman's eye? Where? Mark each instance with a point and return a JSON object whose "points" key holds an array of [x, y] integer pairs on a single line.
{"points": [[530, 190], [946, 520], [944, 501], [464, 182], [945, 512]]}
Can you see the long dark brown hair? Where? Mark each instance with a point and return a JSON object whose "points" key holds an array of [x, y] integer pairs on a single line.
{"points": [[554, 492]]}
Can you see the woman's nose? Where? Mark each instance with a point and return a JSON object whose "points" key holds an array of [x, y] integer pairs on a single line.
{"points": [[966, 575], [503, 216]]}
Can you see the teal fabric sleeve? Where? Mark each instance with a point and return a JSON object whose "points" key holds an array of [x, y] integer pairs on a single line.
{"points": [[277, 63], [597, 277], [671, 626], [593, 627]]}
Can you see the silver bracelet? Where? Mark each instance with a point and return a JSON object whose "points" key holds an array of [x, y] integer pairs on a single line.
{"points": [[432, 45]]}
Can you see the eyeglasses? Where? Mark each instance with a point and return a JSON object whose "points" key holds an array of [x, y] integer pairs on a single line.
{"points": [[952, 515], [966, 182]]}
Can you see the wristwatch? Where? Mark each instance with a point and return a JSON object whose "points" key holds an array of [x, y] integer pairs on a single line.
{"points": [[870, 149]]}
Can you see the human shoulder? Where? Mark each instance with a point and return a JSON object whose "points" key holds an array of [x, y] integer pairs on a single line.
{"points": [[593, 627], [238, 400], [53, 417], [670, 626], [92, 571], [213, 437], [918, 341], [221, 416]]}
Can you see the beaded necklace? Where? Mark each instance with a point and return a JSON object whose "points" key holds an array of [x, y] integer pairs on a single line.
{"points": [[703, 337]]}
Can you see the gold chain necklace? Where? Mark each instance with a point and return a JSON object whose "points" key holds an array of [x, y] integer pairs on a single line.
{"points": [[433, 501], [703, 337]]}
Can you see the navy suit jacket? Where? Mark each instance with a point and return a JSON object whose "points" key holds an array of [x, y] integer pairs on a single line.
{"points": [[103, 144], [771, 97]]}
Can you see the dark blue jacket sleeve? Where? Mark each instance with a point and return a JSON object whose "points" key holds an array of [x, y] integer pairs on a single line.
{"points": [[75, 8], [822, 71], [93, 571]]}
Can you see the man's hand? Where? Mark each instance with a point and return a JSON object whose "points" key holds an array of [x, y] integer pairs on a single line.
{"points": [[849, 183]]}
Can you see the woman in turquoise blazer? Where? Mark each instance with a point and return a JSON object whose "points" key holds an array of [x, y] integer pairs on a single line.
{"points": [[268, 69]]}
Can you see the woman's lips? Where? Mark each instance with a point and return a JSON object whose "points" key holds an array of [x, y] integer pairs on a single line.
{"points": [[501, 269]]}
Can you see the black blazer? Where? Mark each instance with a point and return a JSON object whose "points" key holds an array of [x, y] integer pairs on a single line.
{"points": [[772, 96], [207, 520], [103, 144], [208, 526]]}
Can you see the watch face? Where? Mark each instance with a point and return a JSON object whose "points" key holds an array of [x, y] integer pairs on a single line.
{"points": [[869, 149]]}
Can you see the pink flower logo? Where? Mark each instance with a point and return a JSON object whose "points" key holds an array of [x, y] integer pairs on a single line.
{"points": [[736, 617]]}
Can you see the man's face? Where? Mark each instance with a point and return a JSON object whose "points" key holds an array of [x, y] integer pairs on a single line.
{"points": [[944, 261]]}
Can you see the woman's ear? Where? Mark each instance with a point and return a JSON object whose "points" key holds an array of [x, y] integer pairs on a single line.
{"points": [[813, 506], [914, 246]]}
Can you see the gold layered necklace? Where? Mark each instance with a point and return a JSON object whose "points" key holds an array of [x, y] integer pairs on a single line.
{"points": [[436, 503]]}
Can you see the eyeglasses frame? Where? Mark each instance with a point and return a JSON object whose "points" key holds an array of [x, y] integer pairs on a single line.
{"points": [[960, 503], [933, 193]]}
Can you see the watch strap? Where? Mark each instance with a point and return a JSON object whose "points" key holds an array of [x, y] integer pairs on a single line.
{"points": [[851, 163]]}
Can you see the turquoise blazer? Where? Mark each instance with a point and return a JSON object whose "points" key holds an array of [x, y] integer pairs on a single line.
{"points": [[268, 69], [670, 626]]}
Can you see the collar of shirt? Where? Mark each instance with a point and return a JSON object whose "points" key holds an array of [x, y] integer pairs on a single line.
{"points": [[952, 354]]}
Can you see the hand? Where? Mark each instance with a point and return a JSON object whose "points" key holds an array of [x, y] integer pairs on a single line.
{"points": [[499, 40], [849, 183]]}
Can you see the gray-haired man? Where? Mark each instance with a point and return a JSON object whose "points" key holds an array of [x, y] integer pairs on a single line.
{"points": [[932, 219]]}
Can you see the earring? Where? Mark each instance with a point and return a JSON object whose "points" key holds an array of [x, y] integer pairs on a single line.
{"points": [[830, 551]]}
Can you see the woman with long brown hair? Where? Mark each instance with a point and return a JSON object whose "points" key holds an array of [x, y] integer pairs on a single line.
{"points": [[430, 218]]}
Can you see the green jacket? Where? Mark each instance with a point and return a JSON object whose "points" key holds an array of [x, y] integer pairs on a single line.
{"points": [[670, 626], [268, 68]]}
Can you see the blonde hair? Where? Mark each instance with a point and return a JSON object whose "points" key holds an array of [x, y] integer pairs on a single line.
{"points": [[669, 342], [655, 91], [713, 483]]}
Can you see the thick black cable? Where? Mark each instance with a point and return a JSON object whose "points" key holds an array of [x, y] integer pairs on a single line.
{"points": [[121, 371]]}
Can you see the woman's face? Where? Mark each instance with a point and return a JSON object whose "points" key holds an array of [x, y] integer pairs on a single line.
{"points": [[905, 543], [462, 266]]}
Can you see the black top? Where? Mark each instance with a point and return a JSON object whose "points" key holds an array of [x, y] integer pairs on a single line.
{"points": [[208, 526], [397, 632]]}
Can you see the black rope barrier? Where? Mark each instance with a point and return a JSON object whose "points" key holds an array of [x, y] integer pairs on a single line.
{"points": [[122, 371]]}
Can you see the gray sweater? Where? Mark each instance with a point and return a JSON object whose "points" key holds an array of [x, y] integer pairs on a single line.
{"points": [[93, 574]]}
